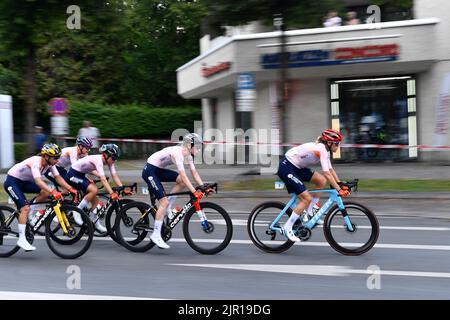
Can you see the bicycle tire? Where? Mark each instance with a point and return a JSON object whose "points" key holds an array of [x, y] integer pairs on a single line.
{"points": [[14, 249], [86, 230], [110, 226], [229, 229], [123, 223], [54, 229], [375, 229], [251, 227]]}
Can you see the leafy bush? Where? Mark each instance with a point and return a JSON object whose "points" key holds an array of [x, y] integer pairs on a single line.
{"points": [[20, 151], [132, 121]]}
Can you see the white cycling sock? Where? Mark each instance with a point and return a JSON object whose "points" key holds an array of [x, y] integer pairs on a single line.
{"points": [[83, 204], [158, 225], [22, 231], [294, 216], [311, 205]]}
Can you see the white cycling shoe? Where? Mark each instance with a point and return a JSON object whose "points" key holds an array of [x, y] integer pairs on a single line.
{"points": [[23, 243], [77, 218], [99, 227], [159, 241], [290, 235]]}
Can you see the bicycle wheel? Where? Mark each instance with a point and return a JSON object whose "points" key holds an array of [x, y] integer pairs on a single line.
{"points": [[258, 227], [76, 242], [213, 237], [111, 216], [133, 229], [352, 243], [9, 232]]}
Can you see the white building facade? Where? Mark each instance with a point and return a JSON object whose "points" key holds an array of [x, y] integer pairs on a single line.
{"points": [[382, 83]]}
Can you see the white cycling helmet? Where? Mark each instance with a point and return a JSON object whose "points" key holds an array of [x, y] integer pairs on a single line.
{"points": [[192, 139]]}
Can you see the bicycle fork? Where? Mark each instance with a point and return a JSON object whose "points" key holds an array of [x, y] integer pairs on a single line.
{"points": [[62, 218], [201, 215], [350, 226]]}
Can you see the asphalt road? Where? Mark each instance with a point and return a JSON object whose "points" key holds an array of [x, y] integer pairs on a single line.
{"points": [[410, 261]]}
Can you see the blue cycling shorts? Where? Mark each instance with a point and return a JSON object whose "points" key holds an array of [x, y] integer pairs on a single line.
{"points": [[77, 180], [153, 176], [294, 177], [17, 188]]}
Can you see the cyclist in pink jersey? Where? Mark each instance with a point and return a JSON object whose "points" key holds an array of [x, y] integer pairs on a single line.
{"points": [[93, 164], [155, 172], [70, 155], [26, 177], [294, 169]]}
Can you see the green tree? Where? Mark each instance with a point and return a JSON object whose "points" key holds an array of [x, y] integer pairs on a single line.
{"points": [[23, 27], [296, 13]]}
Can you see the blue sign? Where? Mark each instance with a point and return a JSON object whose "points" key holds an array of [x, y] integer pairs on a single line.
{"points": [[346, 55], [246, 81]]}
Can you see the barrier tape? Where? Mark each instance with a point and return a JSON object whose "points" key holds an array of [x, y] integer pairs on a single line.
{"points": [[344, 145]]}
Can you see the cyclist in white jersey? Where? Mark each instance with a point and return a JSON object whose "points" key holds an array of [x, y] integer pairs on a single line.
{"points": [[26, 177], [294, 169], [93, 164], [155, 172], [70, 155]]}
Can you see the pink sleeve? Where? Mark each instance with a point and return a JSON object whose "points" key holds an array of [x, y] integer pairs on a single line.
{"points": [[73, 156], [179, 160], [99, 166], [112, 169], [35, 167], [191, 163], [54, 171]]}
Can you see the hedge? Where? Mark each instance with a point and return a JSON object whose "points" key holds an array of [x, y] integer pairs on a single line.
{"points": [[132, 121], [20, 151]]}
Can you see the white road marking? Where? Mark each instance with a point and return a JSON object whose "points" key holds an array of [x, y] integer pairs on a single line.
{"points": [[12, 295], [307, 243], [321, 270]]}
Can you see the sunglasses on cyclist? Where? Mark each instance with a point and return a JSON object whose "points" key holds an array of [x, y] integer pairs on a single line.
{"points": [[337, 143]]}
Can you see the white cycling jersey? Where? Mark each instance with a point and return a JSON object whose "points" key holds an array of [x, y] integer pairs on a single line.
{"points": [[171, 155], [309, 154], [30, 169], [91, 163], [69, 155]]}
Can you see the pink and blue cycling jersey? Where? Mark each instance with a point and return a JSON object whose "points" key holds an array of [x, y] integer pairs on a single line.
{"points": [[91, 163], [170, 155], [30, 169]]}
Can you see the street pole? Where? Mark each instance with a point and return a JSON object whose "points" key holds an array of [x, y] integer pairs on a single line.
{"points": [[278, 22]]}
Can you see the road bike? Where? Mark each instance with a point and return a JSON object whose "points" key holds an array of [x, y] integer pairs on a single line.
{"points": [[349, 227], [64, 237], [207, 227]]}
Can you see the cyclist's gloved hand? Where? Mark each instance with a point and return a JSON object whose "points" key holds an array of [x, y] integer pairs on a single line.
{"points": [[198, 194], [344, 193], [127, 192], [114, 196], [56, 194]]}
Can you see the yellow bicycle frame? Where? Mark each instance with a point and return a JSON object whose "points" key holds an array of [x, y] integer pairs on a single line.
{"points": [[62, 218]]}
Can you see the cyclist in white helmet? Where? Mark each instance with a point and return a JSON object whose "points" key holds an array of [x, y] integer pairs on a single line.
{"points": [[155, 172]]}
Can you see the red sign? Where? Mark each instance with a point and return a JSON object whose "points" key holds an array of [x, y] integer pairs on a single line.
{"points": [[209, 71], [58, 106], [367, 52]]}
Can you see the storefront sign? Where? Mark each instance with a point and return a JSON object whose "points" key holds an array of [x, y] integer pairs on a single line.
{"points": [[245, 92], [346, 55], [209, 71]]}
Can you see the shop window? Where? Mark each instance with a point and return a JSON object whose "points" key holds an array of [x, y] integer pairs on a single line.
{"points": [[376, 111]]}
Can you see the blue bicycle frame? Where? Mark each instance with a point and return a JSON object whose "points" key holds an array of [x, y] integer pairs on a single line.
{"points": [[334, 198]]}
